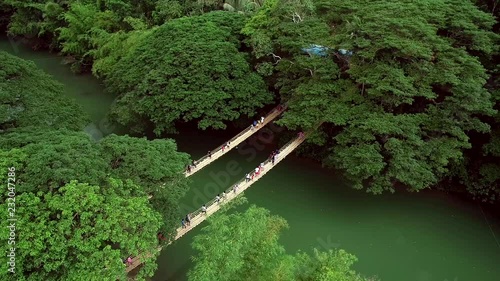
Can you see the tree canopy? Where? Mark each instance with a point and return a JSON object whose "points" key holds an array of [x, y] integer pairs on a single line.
{"points": [[406, 93], [187, 69], [82, 232], [82, 205], [60, 156], [55, 158], [246, 248], [396, 111], [400, 87], [156, 166], [30, 97]]}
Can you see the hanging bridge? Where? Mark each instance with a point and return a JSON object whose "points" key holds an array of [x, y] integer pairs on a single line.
{"points": [[198, 216], [239, 138]]}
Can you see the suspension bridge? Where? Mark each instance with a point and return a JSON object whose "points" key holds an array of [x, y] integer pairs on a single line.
{"points": [[200, 215], [232, 143]]}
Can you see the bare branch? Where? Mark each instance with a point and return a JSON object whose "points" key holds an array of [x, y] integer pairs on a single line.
{"points": [[296, 18], [276, 58]]}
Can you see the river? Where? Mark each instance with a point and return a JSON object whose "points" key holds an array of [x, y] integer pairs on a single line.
{"points": [[426, 236]]}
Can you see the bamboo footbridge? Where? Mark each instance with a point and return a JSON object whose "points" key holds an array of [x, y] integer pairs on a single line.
{"points": [[198, 216], [239, 138]]}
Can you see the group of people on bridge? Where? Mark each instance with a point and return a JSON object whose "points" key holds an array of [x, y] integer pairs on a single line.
{"points": [[186, 221], [254, 125], [274, 155], [191, 166], [252, 175], [257, 123]]}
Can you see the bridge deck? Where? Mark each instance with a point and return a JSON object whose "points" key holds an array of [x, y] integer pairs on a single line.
{"points": [[239, 138], [212, 206]]}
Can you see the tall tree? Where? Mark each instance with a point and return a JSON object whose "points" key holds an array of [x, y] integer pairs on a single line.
{"points": [[56, 158], [59, 156], [85, 22], [36, 20], [111, 47], [397, 84], [480, 170], [244, 246], [82, 232], [30, 97], [189, 69], [156, 166]]}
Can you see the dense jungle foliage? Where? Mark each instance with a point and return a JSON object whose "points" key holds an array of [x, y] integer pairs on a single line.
{"points": [[82, 205], [257, 256], [406, 92]]}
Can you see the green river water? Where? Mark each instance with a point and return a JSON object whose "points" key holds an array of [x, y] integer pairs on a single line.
{"points": [[426, 236]]}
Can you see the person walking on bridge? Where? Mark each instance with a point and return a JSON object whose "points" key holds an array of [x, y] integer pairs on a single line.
{"points": [[271, 155], [204, 209], [210, 154], [188, 219], [276, 154]]}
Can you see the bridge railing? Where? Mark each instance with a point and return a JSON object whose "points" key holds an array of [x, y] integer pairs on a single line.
{"points": [[242, 180], [283, 107], [198, 211]]}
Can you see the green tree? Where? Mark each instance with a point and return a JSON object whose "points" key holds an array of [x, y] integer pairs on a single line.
{"points": [[111, 47], [82, 232], [398, 89], [30, 97], [85, 23], [479, 172], [11, 158], [245, 6], [36, 20], [326, 266], [5, 15], [156, 166], [166, 10], [150, 163], [189, 69], [56, 158], [244, 246], [59, 156]]}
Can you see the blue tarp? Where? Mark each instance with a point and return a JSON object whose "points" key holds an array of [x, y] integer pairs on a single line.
{"points": [[316, 50], [322, 51], [345, 52]]}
